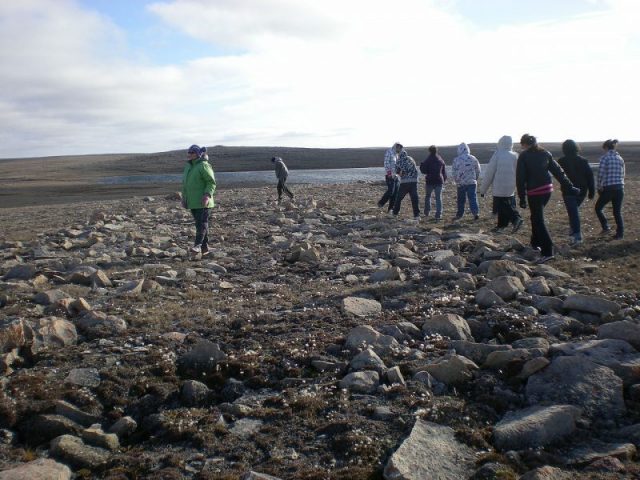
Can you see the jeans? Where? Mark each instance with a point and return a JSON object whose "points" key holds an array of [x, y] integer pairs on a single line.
{"points": [[437, 190], [390, 194], [614, 195], [412, 189], [506, 209], [464, 192], [572, 203], [539, 234], [201, 216], [283, 188]]}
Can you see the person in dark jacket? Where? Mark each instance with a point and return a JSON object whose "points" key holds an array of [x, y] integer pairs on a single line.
{"points": [[435, 176], [579, 172], [533, 182], [282, 173]]}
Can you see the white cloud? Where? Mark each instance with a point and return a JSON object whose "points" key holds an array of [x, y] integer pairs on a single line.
{"points": [[307, 73]]}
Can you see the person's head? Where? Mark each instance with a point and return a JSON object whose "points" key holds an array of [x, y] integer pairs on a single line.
{"points": [[528, 142], [275, 159], [398, 147], [570, 148], [505, 143], [194, 151], [610, 144], [433, 149]]}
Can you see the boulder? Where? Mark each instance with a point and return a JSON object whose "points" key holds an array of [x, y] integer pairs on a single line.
{"points": [[448, 325], [501, 359], [507, 268], [41, 469], [14, 333], [96, 437], [477, 352], [361, 307], [394, 376], [453, 370], [96, 324], [596, 450], [485, 298], [193, 393], [201, 360], [623, 330], [72, 450], [578, 381], [367, 360], [430, 452], [532, 366], [538, 286], [49, 297], [50, 333], [44, 427], [361, 382], [75, 414], [21, 272], [535, 426], [131, 289], [386, 275], [100, 280], [506, 287], [364, 336], [124, 427], [81, 275], [591, 304]]}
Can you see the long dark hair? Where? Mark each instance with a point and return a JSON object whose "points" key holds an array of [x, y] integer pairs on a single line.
{"points": [[610, 144], [570, 148], [531, 142]]}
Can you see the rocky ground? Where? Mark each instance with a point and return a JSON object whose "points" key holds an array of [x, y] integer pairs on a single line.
{"points": [[320, 339]]}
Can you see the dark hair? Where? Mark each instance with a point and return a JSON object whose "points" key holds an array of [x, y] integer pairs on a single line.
{"points": [[610, 144], [570, 148], [531, 142], [433, 149]]}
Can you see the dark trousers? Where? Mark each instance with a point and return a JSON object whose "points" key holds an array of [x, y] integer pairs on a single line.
{"points": [[572, 204], [201, 216], [282, 187], [412, 189], [539, 234], [390, 194], [614, 195], [506, 209]]}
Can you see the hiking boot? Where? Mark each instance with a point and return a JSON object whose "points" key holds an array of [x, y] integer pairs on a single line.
{"points": [[605, 231], [516, 225], [476, 217], [204, 250], [196, 249], [575, 241], [544, 259], [456, 218], [618, 236], [497, 229]]}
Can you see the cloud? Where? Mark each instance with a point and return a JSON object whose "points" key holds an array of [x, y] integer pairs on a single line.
{"points": [[307, 73]]}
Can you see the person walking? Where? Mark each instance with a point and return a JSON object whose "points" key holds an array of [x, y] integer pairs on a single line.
{"points": [[579, 172], [466, 171], [500, 174], [533, 181], [282, 173], [390, 177], [435, 176], [611, 187], [408, 172], [198, 188]]}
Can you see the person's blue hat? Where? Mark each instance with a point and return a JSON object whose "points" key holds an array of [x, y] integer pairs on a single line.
{"points": [[194, 149]]}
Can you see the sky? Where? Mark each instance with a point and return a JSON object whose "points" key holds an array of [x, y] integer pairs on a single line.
{"points": [[116, 76]]}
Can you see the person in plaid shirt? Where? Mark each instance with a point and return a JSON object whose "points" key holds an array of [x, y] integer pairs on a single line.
{"points": [[611, 187], [390, 178]]}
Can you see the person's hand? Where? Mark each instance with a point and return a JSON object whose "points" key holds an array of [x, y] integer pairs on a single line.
{"points": [[575, 191], [205, 199], [523, 203]]}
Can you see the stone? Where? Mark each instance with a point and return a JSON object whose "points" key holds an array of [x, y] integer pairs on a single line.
{"points": [[591, 304], [201, 360], [246, 427], [124, 427], [367, 360], [538, 343], [361, 307], [361, 382], [622, 330], [84, 377], [555, 324], [453, 370], [578, 381], [21, 272], [485, 298], [502, 268], [394, 376], [547, 304], [40, 469], [477, 352], [96, 324], [406, 262], [364, 336], [49, 297], [547, 271], [79, 307], [595, 450], [73, 451], [410, 329], [193, 392], [547, 473], [430, 452], [131, 289], [50, 333], [532, 366], [81, 275], [44, 427], [448, 325], [96, 437], [425, 378], [75, 414], [100, 280], [257, 476], [538, 286], [501, 359], [506, 287], [387, 275], [14, 333], [383, 413], [535, 427]]}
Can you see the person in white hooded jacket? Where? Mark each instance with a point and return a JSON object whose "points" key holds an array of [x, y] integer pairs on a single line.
{"points": [[500, 174], [466, 171]]}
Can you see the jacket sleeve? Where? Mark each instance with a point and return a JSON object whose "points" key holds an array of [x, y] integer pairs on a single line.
{"points": [[454, 170], [209, 179], [557, 171], [489, 174], [477, 168], [423, 167], [521, 178], [444, 171], [589, 176]]}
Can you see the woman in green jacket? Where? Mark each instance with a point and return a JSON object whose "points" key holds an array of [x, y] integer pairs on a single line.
{"points": [[198, 187]]}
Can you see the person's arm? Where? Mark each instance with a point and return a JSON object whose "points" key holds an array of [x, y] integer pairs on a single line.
{"points": [[557, 171], [489, 174], [591, 189], [521, 178], [206, 173], [443, 166]]}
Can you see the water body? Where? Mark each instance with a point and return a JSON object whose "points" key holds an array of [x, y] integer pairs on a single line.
{"points": [[315, 177]]}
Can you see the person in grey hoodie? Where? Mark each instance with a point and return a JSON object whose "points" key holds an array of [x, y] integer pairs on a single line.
{"points": [[500, 174], [408, 172], [282, 173], [466, 171]]}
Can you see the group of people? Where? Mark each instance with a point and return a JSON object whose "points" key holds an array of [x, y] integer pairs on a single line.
{"points": [[529, 174]]}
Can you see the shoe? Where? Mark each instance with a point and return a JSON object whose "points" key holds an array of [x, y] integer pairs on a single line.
{"points": [[605, 231], [573, 241], [497, 229], [618, 236], [456, 218], [380, 205], [476, 217], [516, 225], [196, 249], [204, 250], [544, 259], [437, 219]]}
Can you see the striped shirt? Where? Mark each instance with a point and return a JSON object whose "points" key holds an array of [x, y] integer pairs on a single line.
{"points": [[611, 170]]}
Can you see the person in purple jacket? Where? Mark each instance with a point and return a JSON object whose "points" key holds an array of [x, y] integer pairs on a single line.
{"points": [[435, 176]]}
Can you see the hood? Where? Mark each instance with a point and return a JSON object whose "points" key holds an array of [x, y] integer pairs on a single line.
{"points": [[570, 148], [463, 149], [505, 143]]}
